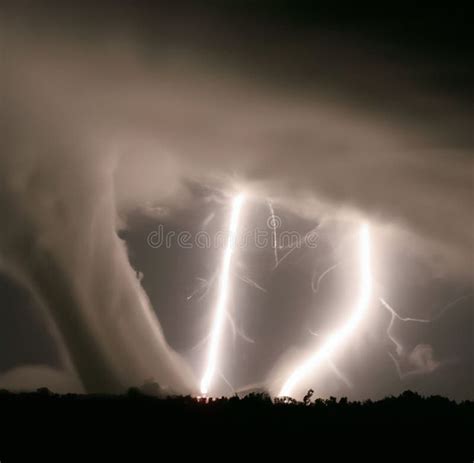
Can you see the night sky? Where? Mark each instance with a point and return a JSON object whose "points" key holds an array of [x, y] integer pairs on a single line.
{"points": [[119, 121]]}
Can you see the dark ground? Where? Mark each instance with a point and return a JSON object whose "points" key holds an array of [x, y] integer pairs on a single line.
{"points": [[138, 427]]}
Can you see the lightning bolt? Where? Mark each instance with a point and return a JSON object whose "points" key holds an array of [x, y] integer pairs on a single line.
{"points": [[273, 223], [340, 336], [223, 295]]}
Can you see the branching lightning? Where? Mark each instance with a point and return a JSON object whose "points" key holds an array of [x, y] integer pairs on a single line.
{"points": [[202, 289], [340, 336], [251, 283], [236, 331], [293, 248], [323, 355], [339, 374], [398, 346], [273, 223], [315, 287], [223, 296]]}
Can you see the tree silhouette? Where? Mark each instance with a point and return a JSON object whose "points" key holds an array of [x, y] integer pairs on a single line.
{"points": [[307, 397]]}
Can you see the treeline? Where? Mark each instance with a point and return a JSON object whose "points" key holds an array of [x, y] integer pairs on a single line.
{"points": [[431, 424], [408, 405]]}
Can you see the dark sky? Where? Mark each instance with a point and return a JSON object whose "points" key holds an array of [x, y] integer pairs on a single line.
{"points": [[119, 118]]}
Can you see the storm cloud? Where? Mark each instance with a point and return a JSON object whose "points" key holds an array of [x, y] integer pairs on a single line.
{"points": [[101, 121]]}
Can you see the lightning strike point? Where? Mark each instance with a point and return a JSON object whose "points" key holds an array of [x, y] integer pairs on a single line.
{"points": [[341, 335], [223, 296]]}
